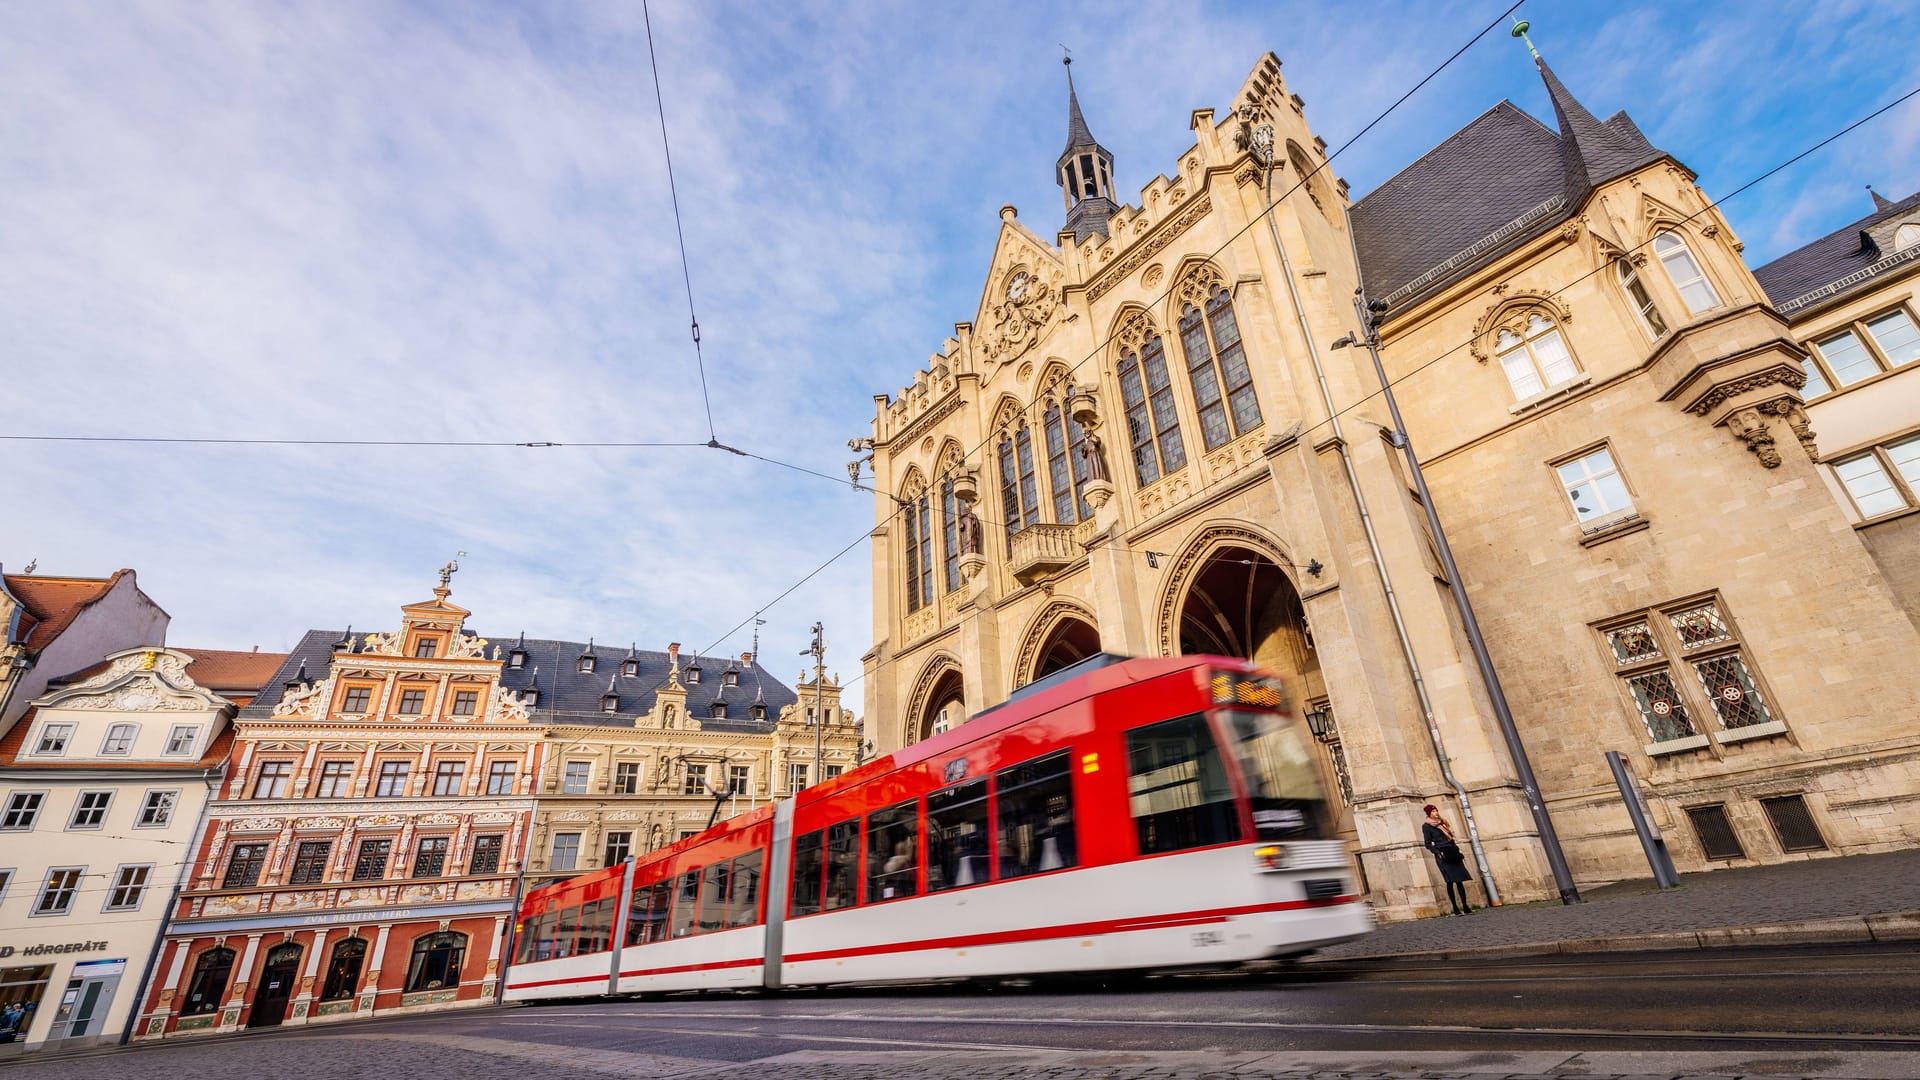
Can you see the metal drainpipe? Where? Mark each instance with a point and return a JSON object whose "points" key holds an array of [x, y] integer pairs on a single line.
{"points": [[1373, 545]]}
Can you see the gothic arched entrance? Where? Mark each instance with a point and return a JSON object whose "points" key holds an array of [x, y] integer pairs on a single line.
{"points": [[938, 702], [1240, 603], [1063, 634]]}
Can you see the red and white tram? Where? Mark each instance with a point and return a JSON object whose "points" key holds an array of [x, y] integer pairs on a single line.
{"points": [[1122, 814]]}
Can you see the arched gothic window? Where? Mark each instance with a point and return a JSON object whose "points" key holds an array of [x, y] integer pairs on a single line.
{"points": [[919, 549], [209, 982], [1066, 465], [343, 970], [1684, 270], [1536, 359], [1642, 301], [1019, 490], [950, 531], [436, 961], [1153, 428], [1217, 365]]}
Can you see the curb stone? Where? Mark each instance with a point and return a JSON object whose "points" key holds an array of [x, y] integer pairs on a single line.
{"points": [[1853, 929]]}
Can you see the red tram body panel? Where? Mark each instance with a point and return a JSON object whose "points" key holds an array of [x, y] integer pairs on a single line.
{"points": [[1144, 814]]}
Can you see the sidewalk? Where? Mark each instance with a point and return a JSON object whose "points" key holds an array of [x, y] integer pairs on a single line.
{"points": [[1855, 898]]}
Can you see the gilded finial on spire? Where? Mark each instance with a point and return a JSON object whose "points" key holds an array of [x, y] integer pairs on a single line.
{"points": [[1520, 31]]}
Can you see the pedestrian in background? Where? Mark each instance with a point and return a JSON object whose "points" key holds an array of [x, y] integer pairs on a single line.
{"points": [[1438, 836]]}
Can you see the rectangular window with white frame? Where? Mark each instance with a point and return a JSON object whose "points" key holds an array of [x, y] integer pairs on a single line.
{"points": [[1687, 672], [56, 895], [566, 851], [129, 887], [6, 879], [53, 739], [1862, 349], [1883, 480], [1595, 489], [182, 739], [156, 810], [119, 740], [90, 810], [574, 780], [23, 809], [796, 775], [626, 778]]}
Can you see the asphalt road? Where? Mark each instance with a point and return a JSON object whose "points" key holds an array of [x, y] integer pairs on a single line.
{"points": [[1832, 1011]]}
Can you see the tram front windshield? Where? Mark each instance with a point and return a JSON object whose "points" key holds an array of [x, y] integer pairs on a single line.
{"points": [[1282, 780]]}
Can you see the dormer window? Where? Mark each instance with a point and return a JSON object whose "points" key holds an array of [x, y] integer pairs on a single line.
{"points": [[693, 674], [630, 669], [585, 663], [759, 712], [731, 678], [531, 695], [426, 648], [610, 703], [718, 710], [517, 658]]}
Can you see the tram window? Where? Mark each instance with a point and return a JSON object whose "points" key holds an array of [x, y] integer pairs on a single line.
{"points": [[686, 897], [566, 929], [957, 836], [893, 852], [1035, 801], [743, 907], [843, 865], [648, 919], [533, 940], [1283, 782], [596, 923], [716, 884], [542, 936], [807, 872], [1178, 788]]}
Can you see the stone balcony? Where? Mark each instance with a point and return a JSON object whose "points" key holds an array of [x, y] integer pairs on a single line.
{"points": [[1039, 550]]}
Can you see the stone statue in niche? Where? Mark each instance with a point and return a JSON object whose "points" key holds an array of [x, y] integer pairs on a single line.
{"points": [[969, 529], [1095, 454]]}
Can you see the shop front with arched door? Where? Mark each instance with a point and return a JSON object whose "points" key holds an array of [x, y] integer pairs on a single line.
{"points": [[279, 977]]}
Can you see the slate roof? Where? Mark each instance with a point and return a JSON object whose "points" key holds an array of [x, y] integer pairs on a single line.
{"points": [[569, 696], [1830, 258], [1498, 182]]}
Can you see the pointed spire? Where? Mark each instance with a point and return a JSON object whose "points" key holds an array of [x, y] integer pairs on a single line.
{"points": [[1881, 203], [1078, 135], [1084, 172], [1591, 152]]}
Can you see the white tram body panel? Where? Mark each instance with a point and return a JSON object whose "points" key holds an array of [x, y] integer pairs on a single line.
{"points": [[718, 960], [1199, 908], [568, 977]]}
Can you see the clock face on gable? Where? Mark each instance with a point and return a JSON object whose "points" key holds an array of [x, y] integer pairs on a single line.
{"points": [[1017, 287]]}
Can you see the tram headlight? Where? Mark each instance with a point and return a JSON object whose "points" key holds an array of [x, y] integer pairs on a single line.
{"points": [[1271, 856]]}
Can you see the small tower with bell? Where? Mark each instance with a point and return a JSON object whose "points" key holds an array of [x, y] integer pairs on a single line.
{"points": [[1084, 172]]}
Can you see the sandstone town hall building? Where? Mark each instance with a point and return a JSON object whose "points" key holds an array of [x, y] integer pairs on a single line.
{"points": [[1160, 433]]}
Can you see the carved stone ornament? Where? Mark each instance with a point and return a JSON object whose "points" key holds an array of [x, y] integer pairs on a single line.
{"points": [[1796, 418], [1750, 426], [384, 644], [1510, 313], [1783, 375], [506, 706], [144, 695], [1015, 320], [464, 645], [308, 702], [1136, 326], [1147, 248], [1196, 287]]}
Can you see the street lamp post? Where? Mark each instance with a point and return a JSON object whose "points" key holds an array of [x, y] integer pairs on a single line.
{"points": [[1370, 313]]}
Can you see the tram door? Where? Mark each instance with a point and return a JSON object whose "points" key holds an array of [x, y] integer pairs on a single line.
{"points": [[276, 986]]}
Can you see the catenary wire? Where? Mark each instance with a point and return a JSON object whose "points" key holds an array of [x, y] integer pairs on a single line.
{"points": [[686, 271]]}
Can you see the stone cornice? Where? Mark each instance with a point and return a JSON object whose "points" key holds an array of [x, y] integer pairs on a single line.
{"points": [[1156, 241], [918, 426]]}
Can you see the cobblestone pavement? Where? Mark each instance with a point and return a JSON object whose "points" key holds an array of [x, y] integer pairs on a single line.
{"points": [[1851, 887], [451, 1057]]}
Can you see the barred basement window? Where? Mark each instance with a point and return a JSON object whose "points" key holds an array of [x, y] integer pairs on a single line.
{"points": [[1718, 841], [1793, 824]]}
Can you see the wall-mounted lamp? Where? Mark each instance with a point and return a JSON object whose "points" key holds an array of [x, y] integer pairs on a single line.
{"points": [[1342, 343], [1320, 722], [1314, 567]]}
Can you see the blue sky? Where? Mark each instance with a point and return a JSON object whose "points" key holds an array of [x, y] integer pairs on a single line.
{"points": [[451, 221]]}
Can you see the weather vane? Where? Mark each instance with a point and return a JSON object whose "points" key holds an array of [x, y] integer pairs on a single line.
{"points": [[452, 567]]}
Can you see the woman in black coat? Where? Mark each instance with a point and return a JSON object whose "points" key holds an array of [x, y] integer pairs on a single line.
{"points": [[1438, 837]]}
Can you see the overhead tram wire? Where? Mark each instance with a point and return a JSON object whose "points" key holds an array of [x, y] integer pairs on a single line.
{"points": [[1711, 204], [673, 191], [213, 440]]}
